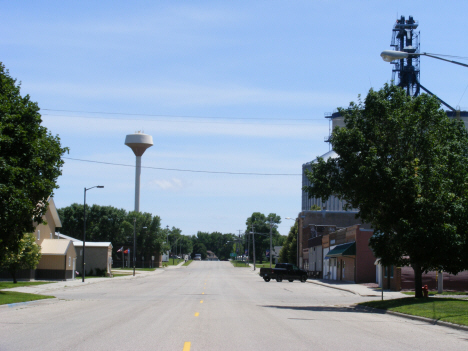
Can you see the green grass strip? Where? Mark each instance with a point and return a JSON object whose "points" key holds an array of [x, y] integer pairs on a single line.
{"points": [[441, 309], [239, 264], [187, 263], [435, 293], [9, 285], [7, 297]]}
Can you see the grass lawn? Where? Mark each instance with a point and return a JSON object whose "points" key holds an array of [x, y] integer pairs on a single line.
{"points": [[7, 297], [9, 285], [433, 293], [443, 309], [265, 265], [239, 264], [187, 263], [136, 269], [173, 262]]}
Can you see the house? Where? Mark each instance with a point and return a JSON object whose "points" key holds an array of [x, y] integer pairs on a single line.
{"points": [[58, 259], [211, 256], [98, 255]]}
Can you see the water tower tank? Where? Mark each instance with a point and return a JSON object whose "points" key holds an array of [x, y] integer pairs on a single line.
{"points": [[138, 142]]}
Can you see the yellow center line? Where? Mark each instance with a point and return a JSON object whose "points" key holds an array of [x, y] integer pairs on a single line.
{"points": [[201, 301], [197, 314], [203, 293], [186, 346]]}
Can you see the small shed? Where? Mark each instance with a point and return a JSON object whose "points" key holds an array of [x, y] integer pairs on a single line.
{"points": [[58, 260]]}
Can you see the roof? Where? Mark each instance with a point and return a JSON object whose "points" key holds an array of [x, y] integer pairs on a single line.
{"points": [[54, 213], [78, 243], [60, 235], [326, 156], [348, 249], [55, 246]]}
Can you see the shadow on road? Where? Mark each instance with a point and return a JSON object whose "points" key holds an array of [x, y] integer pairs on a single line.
{"points": [[324, 308]]}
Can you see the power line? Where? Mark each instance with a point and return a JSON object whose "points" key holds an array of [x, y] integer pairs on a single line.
{"points": [[185, 170], [184, 116], [179, 121]]}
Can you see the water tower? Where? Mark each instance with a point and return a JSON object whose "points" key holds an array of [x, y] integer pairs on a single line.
{"points": [[138, 142]]}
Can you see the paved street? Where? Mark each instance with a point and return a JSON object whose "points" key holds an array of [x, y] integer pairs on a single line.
{"points": [[210, 306]]}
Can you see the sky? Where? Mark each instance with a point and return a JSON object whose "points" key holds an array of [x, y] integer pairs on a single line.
{"points": [[222, 87]]}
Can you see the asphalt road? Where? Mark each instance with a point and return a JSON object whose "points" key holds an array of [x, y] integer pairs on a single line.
{"points": [[211, 306]]}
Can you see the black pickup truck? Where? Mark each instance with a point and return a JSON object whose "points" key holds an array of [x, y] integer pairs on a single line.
{"points": [[282, 271]]}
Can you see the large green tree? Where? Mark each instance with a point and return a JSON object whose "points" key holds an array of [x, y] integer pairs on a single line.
{"points": [[107, 223], [260, 225], [288, 253], [404, 164], [30, 163], [25, 256]]}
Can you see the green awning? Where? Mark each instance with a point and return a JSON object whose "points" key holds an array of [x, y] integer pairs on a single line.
{"points": [[348, 249]]}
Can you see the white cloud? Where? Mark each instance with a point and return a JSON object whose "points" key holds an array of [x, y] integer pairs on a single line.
{"points": [[167, 184]]}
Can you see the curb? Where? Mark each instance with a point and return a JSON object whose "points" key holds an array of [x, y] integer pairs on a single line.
{"points": [[409, 316], [333, 287]]}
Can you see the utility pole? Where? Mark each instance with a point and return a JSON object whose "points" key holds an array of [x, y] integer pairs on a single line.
{"points": [[238, 244], [253, 240], [271, 228]]}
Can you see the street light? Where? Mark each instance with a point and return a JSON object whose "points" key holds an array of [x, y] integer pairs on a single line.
{"points": [[392, 55], [84, 227]]}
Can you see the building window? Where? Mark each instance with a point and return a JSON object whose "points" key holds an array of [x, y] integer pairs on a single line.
{"points": [[69, 261], [81, 252], [38, 235], [385, 272], [391, 272]]}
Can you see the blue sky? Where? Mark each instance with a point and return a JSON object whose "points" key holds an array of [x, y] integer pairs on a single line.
{"points": [[221, 86]]}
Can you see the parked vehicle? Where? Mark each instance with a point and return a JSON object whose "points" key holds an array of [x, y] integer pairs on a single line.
{"points": [[197, 257], [282, 271]]}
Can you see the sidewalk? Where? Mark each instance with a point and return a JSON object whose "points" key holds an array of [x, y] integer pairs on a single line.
{"points": [[357, 289], [46, 289], [353, 288]]}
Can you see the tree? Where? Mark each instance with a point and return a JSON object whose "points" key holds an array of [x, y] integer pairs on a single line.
{"points": [[30, 163], [404, 164], [288, 253], [107, 223], [26, 256], [260, 224]]}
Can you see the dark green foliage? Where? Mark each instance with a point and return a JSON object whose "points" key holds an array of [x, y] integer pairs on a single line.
{"points": [[30, 163], [404, 164], [107, 223], [260, 224], [222, 245], [288, 253]]}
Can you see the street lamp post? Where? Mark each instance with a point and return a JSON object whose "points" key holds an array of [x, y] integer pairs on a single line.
{"points": [[84, 228], [392, 55], [167, 241], [253, 242]]}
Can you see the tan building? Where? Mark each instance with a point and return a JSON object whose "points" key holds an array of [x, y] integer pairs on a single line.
{"points": [[58, 259]]}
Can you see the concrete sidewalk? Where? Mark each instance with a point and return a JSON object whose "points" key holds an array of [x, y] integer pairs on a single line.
{"points": [[55, 285], [357, 289]]}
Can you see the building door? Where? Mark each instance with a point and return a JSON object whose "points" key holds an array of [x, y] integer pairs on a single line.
{"points": [[342, 270]]}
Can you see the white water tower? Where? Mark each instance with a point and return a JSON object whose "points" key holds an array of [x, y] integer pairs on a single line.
{"points": [[138, 142]]}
